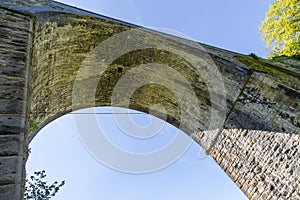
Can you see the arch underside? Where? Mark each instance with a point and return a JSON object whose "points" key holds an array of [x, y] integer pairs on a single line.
{"points": [[257, 141]]}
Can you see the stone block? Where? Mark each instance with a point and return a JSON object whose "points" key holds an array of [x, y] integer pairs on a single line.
{"points": [[10, 192], [11, 92], [11, 124], [15, 81], [11, 106], [8, 169], [9, 145]]}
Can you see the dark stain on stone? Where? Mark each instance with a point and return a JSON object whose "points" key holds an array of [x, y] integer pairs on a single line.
{"points": [[289, 92]]}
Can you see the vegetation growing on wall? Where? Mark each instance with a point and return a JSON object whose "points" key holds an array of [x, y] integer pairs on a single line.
{"points": [[285, 76]]}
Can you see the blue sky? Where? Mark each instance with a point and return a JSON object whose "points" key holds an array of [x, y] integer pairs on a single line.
{"points": [[229, 24], [59, 149]]}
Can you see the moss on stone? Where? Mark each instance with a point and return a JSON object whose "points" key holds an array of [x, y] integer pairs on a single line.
{"points": [[62, 41], [33, 126], [281, 74]]}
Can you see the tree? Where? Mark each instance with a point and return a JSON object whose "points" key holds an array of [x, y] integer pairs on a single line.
{"points": [[38, 189], [281, 28]]}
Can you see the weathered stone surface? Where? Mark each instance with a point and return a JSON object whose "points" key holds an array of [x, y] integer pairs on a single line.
{"points": [[262, 97], [285, 74], [252, 96], [266, 104], [15, 43], [9, 145], [24, 3], [11, 124], [61, 49], [13, 81], [10, 192], [8, 169], [12, 72], [11, 92], [11, 106], [206, 139], [261, 163]]}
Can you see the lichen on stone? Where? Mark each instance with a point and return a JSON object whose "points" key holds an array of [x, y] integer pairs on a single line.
{"points": [[282, 74], [24, 2]]}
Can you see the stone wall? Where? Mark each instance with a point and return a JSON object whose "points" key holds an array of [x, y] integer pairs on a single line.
{"points": [[264, 164], [15, 43], [63, 43], [259, 97], [262, 98]]}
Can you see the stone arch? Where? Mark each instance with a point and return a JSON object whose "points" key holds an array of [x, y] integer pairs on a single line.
{"points": [[42, 55], [52, 88]]}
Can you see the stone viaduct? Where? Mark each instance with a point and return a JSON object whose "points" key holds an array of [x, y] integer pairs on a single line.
{"points": [[254, 136]]}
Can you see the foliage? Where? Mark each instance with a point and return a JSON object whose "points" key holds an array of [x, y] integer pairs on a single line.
{"points": [[38, 189], [33, 126], [281, 28], [254, 56]]}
